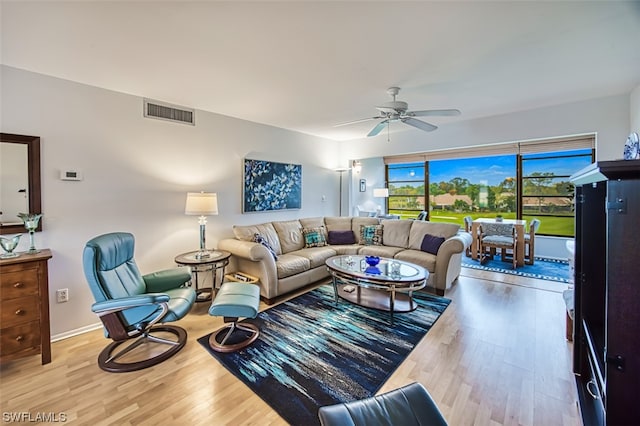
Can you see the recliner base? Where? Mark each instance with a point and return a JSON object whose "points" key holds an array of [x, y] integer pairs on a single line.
{"points": [[107, 360], [217, 341]]}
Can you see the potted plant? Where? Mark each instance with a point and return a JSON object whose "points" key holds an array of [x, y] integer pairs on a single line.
{"points": [[498, 218]]}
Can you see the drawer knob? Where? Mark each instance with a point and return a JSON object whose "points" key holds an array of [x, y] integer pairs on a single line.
{"points": [[19, 339], [18, 285], [19, 312]]}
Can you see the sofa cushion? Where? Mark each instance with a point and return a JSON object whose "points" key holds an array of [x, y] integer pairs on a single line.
{"points": [[342, 237], [420, 228], [371, 235], [431, 243], [396, 232], [247, 233], [337, 223], [348, 249], [315, 255], [419, 257], [288, 265], [382, 251], [290, 235], [356, 222], [314, 237]]}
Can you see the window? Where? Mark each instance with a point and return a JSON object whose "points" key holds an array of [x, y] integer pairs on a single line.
{"points": [[516, 180], [406, 189], [481, 186], [546, 190]]}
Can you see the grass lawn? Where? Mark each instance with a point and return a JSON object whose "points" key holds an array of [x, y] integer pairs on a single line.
{"points": [[549, 225]]}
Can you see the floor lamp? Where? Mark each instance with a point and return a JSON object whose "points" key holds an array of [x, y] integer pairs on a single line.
{"points": [[341, 171]]}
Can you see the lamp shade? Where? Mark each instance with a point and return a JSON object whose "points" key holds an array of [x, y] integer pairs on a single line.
{"points": [[201, 204], [381, 192]]}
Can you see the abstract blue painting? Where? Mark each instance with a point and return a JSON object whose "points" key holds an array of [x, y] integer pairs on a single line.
{"points": [[271, 186]]}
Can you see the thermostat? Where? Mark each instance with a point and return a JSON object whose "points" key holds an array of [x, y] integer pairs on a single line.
{"points": [[70, 175]]}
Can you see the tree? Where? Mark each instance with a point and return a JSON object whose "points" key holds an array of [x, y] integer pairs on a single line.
{"points": [[461, 205], [538, 185]]}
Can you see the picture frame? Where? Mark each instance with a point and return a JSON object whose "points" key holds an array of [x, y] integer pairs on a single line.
{"points": [[269, 186], [363, 185]]}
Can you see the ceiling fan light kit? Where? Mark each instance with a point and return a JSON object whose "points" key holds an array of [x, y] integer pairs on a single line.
{"points": [[396, 110]]}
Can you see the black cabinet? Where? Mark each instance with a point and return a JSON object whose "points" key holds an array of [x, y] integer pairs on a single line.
{"points": [[607, 292]]}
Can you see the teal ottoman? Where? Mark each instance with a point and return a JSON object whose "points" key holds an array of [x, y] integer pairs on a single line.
{"points": [[235, 300]]}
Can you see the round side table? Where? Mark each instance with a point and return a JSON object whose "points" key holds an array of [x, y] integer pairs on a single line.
{"points": [[219, 259]]}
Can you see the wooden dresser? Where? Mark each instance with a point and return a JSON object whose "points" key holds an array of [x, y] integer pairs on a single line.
{"points": [[24, 302]]}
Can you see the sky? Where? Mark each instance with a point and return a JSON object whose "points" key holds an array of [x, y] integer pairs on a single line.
{"points": [[490, 170]]}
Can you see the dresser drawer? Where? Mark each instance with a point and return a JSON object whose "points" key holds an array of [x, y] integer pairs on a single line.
{"points": [[20, 338], [19, 283], [19, 311]]}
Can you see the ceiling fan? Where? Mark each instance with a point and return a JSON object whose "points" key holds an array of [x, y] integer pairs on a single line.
{"points": [[397, 111]]}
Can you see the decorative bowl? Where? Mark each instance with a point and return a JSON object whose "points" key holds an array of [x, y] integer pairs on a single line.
{"points": [[9, 245], [372, 260]]}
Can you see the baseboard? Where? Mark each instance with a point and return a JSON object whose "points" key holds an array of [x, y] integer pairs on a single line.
{"points": [[76, 332]]}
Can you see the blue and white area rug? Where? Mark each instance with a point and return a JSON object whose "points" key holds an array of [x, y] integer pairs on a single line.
{"points": [[312, 353], [542, 268]]}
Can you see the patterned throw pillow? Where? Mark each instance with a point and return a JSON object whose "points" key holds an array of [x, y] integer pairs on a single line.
{"points": [[371, 235], [314, 237], [262, 240]]}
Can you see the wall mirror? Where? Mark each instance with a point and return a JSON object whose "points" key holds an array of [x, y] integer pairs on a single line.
{"points": [[19, 180]]}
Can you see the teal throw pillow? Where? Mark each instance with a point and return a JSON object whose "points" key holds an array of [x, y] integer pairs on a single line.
{"points": [[314, 237], [371, 235]]}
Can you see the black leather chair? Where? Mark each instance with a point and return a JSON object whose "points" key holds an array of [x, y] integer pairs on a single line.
{"points": [[410, 405]]}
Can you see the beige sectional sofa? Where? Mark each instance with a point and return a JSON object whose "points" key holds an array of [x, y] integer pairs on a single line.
{"points": [[293, 265]]}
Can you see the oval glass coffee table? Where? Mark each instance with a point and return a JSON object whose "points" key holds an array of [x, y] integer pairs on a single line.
{"points": [[388, 286]]}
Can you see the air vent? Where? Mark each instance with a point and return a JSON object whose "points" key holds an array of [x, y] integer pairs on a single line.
{"points": [[164, 111]]}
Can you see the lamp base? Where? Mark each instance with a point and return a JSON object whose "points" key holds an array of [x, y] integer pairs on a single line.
{"points": [[203, 254]]}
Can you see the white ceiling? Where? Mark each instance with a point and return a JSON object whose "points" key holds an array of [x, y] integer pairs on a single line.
{"points": [[308, 65]]}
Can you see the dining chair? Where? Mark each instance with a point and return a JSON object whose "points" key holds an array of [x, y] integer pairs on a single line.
{"points": [[423, 215], [529, 241], [468, 226], [495, 236]]}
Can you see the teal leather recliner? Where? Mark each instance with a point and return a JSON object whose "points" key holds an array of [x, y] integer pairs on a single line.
{"points": [[130, 304]]}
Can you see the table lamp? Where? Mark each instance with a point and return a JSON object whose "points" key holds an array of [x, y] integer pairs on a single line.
{"points": [[202, 204]]}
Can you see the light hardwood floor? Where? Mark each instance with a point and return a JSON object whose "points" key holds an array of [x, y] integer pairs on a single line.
{"points": [[497, 356]]}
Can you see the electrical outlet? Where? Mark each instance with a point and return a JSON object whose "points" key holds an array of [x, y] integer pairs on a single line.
{"points": [[62, 295]]}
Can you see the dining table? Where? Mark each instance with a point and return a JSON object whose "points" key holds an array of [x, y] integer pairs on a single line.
{"points": [[520, 226]]}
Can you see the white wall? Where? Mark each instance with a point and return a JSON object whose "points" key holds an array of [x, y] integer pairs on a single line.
{"points": [[137, 172], [635, 110], [607, 117]]}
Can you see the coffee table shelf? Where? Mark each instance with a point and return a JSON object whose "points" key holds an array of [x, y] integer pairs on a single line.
{"points": [[389, 289]]}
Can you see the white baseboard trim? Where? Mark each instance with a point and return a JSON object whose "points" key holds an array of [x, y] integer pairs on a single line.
{"points": [[76, 332]]}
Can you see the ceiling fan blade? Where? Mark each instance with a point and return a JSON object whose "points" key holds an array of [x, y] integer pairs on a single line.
{"points": [[362, 120], [381, 125], [434, 112], [419, 124]]}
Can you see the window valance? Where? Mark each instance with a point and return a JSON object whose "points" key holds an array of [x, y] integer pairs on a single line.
{"points": [[523, 147]]}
